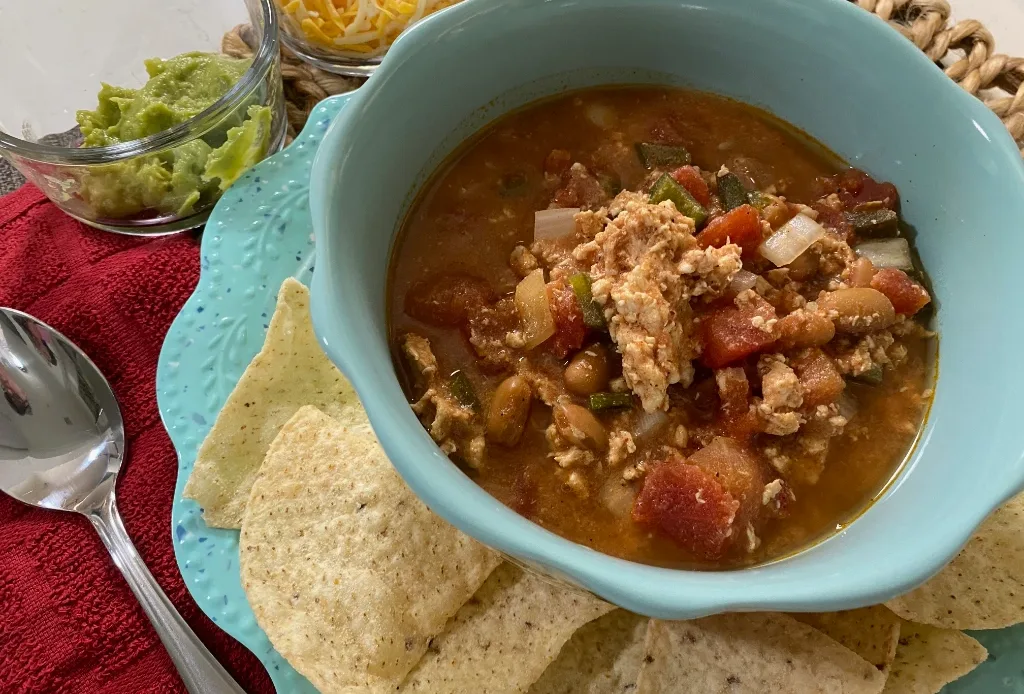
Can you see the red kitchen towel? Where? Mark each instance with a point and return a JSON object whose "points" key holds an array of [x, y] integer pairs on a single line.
{"points": [[68, 622]]}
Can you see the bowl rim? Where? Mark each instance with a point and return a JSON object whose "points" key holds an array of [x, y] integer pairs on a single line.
{"points": [[263, 61], [341, 63], [681, 593]]}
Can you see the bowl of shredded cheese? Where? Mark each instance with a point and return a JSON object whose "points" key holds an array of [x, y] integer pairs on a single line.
{"points": [[349, 37]]}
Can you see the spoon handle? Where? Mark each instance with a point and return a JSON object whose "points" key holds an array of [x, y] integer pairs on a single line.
{"points": [[198, 668]]}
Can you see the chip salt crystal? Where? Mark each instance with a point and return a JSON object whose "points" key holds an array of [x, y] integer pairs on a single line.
{"points": [[505, 637], [603, 657], [870, 632], [983, 587], [751, 653], [348, 573], [290, 371], [927, 659]]}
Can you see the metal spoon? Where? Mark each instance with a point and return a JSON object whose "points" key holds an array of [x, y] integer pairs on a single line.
{"points": [[61, 447]]}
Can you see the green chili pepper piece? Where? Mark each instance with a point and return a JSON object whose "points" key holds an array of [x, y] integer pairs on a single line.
{"points": [[666, 188]]}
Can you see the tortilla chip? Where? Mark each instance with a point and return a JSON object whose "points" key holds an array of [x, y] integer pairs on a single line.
{"points": [[870, 632], [602, 657], [928, 659], [502, 640], [348, 573], [983, 587], [290, 371], [751, 653]]}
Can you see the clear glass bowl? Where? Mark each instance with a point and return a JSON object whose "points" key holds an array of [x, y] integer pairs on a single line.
{"points": [[53, 65], [349, 37]]}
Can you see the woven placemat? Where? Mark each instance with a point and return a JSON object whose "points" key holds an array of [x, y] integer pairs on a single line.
{"points": [[965, 51]]}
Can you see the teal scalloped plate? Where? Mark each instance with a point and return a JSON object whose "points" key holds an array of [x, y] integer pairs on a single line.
{"points": [[259, 234]]}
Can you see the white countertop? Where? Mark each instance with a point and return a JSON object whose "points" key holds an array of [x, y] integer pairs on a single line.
{"points": [[1004, 18]]}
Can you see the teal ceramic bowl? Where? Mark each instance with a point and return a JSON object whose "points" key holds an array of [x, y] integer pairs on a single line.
{"points": [[828, 67]]}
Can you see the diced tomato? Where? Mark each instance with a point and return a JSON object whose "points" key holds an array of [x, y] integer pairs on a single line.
{"points": [[664, 131], [834, 220], [741, 225], [728, 334], [736, 421], [689, 177], [856, 187], [447, 300], [570, 330], [689, 506], [907, 296], [740, 427], [557, 162], [819, 378], [579, 189]]}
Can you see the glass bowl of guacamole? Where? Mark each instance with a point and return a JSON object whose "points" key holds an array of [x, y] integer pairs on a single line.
{"points": [[164, 132]]}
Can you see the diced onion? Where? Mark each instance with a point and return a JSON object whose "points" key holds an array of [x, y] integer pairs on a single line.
{"points": [[617, 497], [648, 423], [887, 253], [535, 317], [742, 281], [847, 405], [791, 240], [554, 224], [601, 116]]}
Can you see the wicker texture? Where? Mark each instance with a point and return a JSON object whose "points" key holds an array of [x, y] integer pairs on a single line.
{"points": [[965, 51], [304, 85]]}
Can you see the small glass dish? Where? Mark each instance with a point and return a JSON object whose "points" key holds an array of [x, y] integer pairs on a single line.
{"points": [[164, 180], [349, 37]]}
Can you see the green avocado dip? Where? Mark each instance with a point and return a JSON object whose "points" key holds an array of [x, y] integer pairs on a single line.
{"points": [[173, 181]]}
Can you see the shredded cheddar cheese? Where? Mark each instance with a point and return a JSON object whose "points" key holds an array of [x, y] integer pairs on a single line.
{"points": [[362, 28]]}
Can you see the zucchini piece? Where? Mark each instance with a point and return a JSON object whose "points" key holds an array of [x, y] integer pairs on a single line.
{"points": [[652, 155], [611, 183], [593, 317], [759, 200], [461, 387], [512, 185], [731, 192], [666, 188], [874, 224], [871, 377], [598, 402]]}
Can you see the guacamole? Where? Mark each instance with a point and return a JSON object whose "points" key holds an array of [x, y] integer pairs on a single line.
{"points": [[171, 182]]}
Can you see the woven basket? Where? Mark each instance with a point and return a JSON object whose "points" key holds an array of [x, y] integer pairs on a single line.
{"points": [[965, 51]]}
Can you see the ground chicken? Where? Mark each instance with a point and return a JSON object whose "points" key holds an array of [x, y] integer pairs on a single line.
{"points": [[779, 383], [545, 383], [646, 266], [620, 446], [489, 328], [781, 394], [455, 428], [523, 262], [777, 423], [565, 453], [834, 255], [421, 357], [869, 352]]}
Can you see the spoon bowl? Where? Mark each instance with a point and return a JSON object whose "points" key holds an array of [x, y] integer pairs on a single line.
{"points": [[61, 448], [60, 427]]}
